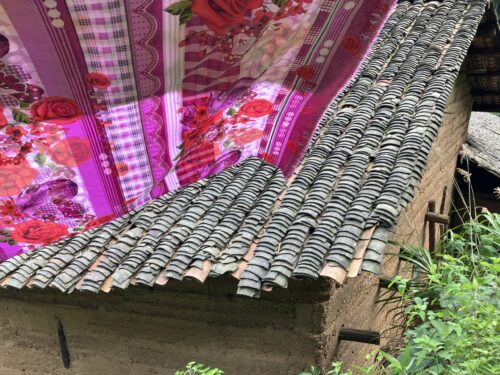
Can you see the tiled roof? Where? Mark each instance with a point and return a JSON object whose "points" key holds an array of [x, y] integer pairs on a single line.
{"points": [[331, 217], [482, 145]]}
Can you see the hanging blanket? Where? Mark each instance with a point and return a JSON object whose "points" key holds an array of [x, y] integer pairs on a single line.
{"points": [[107, 104]]}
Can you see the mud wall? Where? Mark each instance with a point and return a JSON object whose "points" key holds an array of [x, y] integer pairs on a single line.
{"points": [[156, 331], [412, 229]]}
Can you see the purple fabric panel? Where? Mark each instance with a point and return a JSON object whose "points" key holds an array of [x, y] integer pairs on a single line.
{"points": [[285, 138], [37, 41], [106, 104], [40, 44], [145, 35]]}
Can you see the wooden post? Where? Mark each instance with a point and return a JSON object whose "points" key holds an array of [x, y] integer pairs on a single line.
{"points": [[434, 218], [432, 226], [443, 228], [367, 337]]}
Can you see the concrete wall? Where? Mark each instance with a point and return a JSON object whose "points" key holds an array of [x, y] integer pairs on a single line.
{"points": [[156, 331]]}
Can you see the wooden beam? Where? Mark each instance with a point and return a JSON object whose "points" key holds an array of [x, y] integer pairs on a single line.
{"points": [[443, 228], [358, 335], [437, 218], [432, 226]]}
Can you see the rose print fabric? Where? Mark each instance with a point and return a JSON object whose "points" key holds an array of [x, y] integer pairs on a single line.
{"points": [[107, 104]]}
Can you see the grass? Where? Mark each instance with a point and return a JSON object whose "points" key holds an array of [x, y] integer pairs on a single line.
{"points": [[452, 306]]}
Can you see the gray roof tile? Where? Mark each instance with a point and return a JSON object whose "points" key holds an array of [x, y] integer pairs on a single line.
{"points": [[360, 171]]}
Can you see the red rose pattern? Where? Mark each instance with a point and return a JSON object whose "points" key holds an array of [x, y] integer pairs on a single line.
{"points": [[256, 108], [201, 113], [38, 232], [244, 136], [221, 15], [71, 152], [3, 119], [99, 221], [98, 80], [55, 109], [305, 72], [121, 168], [351, 44], [195, 135]]}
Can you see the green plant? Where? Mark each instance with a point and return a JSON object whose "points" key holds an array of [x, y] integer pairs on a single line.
{"points": [[450, 306], [194, 368], [335, 369], [453, 315]]}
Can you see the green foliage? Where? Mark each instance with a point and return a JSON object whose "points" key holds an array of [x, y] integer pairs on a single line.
{"points": [[451, 307], [182, 9], [280, 3], [20, 116], [194, 368], [40, 159]]}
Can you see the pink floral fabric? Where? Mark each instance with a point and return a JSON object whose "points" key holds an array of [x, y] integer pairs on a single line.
{"points": [[105, 105]]}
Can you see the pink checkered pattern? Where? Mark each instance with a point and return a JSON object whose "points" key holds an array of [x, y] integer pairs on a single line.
{"points": [[103, 34], [17, 71], [189, 168]]}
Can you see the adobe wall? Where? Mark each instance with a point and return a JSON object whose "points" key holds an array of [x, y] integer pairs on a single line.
{"points": [[156, 331], [411, 229]]}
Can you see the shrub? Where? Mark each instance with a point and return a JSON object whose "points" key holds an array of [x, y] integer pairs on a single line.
{"points": [[194, 368], [450, 306]]}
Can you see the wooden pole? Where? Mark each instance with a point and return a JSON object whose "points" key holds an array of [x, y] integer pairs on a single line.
{"points": [[432, 226], [357, 335], [437, 218]]}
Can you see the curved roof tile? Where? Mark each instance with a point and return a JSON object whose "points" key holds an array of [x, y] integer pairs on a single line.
{"points": [[331, 218]]}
